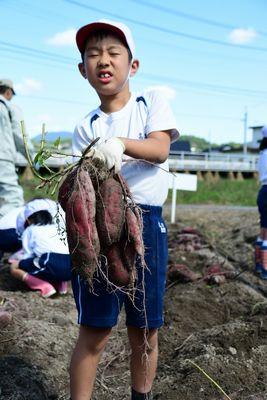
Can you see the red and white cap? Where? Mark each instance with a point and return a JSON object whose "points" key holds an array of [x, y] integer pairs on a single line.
{"points": [[117, 27]]}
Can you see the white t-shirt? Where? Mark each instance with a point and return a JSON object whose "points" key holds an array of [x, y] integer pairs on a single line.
{"points": [[40, 239], [144, 113], [8, 221], [262, 167]]}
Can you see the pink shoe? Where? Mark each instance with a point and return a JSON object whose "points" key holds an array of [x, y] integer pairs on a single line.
{"points": [[62, 287], [34, 283]]}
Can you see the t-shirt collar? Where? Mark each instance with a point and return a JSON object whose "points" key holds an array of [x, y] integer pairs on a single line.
{"points": [[117, 114]]}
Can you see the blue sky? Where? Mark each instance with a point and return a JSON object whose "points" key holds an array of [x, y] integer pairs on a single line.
{"points": [[209, 57]]}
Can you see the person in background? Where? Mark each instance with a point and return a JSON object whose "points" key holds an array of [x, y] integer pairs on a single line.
{"points": [[11, 193], [261, 242], [46, 264], [37, 204], [12, 224], [10, 241]]}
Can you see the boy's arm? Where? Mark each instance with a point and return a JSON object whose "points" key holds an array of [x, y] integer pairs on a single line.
{"points": [[155, 148]]}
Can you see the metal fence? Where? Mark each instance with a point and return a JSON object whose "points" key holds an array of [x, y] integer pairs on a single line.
{"points": [[185, 161], [213, 162]]}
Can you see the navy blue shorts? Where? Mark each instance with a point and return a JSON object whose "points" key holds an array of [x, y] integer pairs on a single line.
{"points": [[9, 240], [51, 267], [262, 206], [101, 307]]}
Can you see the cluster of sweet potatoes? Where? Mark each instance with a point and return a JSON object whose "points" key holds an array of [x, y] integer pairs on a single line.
{"points": [[104, 226], [188, 239]]}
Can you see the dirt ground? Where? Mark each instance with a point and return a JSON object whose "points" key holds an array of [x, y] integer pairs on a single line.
{"points": [[220, 327]]}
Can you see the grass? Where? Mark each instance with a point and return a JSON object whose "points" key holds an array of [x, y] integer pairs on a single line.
{"points": [[30, 191], [223, 191]]}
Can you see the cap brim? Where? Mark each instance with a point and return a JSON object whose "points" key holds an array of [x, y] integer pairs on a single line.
{"points": [[84, 32]]}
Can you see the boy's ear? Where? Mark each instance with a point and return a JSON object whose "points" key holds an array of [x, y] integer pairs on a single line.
{"points": [[82, 70], [134, 67]]}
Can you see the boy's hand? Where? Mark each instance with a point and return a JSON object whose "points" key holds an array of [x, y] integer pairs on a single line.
{"points": [[110, 152]]}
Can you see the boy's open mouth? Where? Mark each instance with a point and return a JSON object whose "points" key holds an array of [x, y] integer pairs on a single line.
{"points": [[105, 76]]}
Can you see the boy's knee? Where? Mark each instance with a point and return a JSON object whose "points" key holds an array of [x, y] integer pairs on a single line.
{"points": [[94, 340]]}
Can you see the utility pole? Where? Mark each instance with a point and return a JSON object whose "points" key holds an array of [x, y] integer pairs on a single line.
{"points": [[210, 141], [245, 121]]}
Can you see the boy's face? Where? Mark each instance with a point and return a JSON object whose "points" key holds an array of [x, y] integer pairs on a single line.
{"points": [[106, 65]]}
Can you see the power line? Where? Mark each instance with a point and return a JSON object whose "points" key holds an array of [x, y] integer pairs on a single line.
{"points": [[61, 100], [207, 54], [147, 76], [188, 16], [218, 55], [166, 30], [35, 11], [58, 58], [156, 42], [35, 51], [30, 57], [203, 84]]}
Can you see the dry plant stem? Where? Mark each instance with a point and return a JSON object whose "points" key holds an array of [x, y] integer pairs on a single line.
{"points": [[27, 151], [209, 378], [184, 342], [43, 137], [59, 174], [29, 159]]}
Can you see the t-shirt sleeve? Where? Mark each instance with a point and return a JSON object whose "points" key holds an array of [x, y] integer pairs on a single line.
{"points": [[27, 243], [160, 115], [80, 141]]}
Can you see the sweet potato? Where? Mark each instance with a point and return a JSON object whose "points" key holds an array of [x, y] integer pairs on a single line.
{"points": [[129, 257], [134, 231], [101, 217], [81, 229], [117, 273], [66, 187], [5, 319], [110, 212]]}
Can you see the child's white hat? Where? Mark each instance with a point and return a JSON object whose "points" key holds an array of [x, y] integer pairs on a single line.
{"points": [[264, 131], [117, 27], [38, 205], [32, 207]]}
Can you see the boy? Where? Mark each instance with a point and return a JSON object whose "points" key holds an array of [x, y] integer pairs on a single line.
{"points": [[135, 127]]}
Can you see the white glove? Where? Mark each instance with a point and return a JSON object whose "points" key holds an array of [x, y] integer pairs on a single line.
{"points": [[110, 152]]}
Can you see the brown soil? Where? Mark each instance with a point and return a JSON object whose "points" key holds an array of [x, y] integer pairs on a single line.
{"points": [[221, 328]]}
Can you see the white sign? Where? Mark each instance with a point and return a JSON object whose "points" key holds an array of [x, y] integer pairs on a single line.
{"points": [[180, 182]]}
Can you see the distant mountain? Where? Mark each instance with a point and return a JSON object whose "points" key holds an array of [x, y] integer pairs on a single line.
{"points": [[52, 136]]}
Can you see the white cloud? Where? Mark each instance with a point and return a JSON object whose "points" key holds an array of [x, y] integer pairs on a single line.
{"points": [[242, 36], [28, 86], [66, 38], [168, 92]]}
